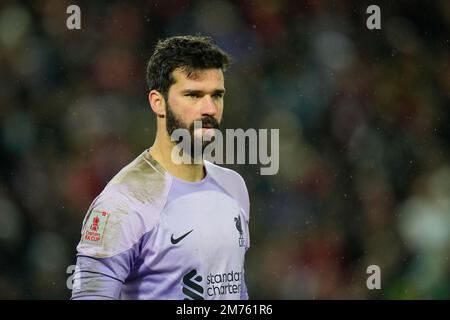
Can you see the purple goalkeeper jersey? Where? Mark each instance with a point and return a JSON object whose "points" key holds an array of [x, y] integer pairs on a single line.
{"points": [[149, 235]]}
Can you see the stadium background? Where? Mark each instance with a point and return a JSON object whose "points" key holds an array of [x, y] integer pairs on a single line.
{"points": [[364, 136]]}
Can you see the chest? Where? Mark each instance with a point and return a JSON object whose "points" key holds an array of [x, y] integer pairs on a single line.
{"points": [[203, 227]]}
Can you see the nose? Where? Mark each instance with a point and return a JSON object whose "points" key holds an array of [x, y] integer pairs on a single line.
{"points": [[208, 106]]}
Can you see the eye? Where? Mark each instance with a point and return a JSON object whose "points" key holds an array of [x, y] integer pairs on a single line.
{"points": [[218, 95], [192, 95]]}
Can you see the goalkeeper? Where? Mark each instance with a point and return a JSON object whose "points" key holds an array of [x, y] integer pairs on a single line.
{"points": [[161, 230]]}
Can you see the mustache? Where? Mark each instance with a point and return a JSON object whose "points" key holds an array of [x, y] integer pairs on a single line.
{"points": [[208, 121]]}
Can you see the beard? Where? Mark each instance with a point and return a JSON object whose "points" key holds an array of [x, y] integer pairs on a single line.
{"points": [[173, 122]]}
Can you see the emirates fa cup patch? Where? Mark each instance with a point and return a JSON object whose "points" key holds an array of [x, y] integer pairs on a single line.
{"points": [[95, 226]]}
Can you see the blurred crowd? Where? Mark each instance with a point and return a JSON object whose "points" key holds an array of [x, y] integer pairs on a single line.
{"points": [[363, 115]]}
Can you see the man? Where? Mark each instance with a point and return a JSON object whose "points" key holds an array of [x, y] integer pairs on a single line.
{"points": [[161, 230]]}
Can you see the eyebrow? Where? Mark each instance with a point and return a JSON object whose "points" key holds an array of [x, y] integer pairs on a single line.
{"points": [[201, 92]]}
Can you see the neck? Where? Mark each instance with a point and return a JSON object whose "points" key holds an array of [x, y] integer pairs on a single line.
{"points": [[161, 151]]}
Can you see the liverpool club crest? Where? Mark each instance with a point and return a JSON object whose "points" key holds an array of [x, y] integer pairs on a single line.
{"points": [[238, 222]]}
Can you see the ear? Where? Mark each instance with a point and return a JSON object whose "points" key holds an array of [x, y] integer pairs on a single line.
{"points": [[157, 103]]}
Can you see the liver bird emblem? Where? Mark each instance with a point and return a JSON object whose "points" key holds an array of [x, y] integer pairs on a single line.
{"points": [[237, 220]]}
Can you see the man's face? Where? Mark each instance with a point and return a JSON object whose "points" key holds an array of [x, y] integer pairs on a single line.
{"points": [[198, 97]]}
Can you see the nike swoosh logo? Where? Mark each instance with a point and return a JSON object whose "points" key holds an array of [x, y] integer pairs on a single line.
{"points": [[176, 240]]}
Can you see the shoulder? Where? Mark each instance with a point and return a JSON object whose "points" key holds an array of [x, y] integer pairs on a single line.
{"points": [[125, 210], [232, 182], [140, 181]]}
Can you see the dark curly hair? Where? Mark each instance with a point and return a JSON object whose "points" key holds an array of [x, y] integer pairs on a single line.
{"points": [[186, 52]]}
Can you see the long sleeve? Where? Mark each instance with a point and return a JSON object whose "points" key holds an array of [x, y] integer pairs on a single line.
{"points": [[101, 278]]}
